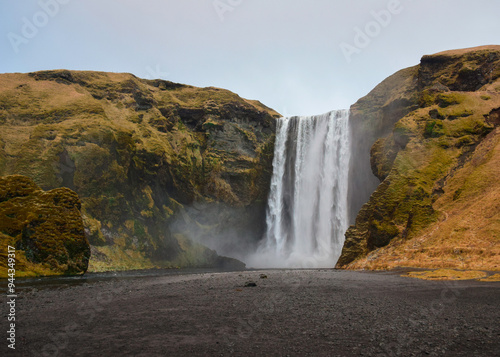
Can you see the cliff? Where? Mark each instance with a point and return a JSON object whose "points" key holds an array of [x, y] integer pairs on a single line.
{"points": [[147, 158], [45, 228], [432, 132]]}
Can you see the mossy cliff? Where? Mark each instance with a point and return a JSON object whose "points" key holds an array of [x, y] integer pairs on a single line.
{"points": [[140, 154], [45, 228], [434, 140]]}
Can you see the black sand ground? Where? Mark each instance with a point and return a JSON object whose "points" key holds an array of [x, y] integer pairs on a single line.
{"points": [[289, 313]]}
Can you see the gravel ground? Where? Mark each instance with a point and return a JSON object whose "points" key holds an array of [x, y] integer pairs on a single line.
{"points": [[287, 313]]}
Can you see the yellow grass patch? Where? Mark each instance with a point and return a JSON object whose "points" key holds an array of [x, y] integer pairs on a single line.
{"points": [[447, 274]]}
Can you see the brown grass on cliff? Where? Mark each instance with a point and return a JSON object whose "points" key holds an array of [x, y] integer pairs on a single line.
{"points": [[468, 234], [462, 51]]}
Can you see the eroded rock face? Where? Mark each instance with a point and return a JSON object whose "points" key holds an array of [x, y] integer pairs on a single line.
{"points": [[139, 153], [421, 127], [46, 228], [371, 118]]}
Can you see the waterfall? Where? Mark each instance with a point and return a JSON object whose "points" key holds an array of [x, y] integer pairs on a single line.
{"points": [[307, 206]]}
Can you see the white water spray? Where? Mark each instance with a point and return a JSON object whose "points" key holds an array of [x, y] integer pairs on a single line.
{"points": [[307, 206]]}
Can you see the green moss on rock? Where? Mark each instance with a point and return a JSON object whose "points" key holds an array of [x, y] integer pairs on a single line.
{"points": [[135, 151], [420, 148], [46, 228]]}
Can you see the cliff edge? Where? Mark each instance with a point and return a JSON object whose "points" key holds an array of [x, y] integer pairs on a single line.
{"points": [[433, 136], [147, 158]]}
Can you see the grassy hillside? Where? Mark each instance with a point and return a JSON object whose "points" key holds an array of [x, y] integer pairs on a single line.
{"points": [[437, 203], [138, 153]]}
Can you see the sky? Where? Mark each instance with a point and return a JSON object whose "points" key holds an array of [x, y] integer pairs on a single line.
{"points": [[299, 57]]}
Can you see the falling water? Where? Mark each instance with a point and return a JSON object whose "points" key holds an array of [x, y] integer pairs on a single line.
{"points": [[307, 206]]}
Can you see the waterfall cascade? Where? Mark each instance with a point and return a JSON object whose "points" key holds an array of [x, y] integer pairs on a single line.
{"points": [[307, 206]]}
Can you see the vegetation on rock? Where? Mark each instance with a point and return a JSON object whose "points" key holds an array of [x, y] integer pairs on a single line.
{"points": [[435, 135], [46, 229], [138, 153], [447, 274]]}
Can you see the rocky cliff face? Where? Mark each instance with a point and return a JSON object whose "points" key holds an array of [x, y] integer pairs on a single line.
{"points": [[146, 157], [45, 228], [433, 136]]}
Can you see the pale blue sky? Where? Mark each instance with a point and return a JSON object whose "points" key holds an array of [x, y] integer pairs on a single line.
{"points": [[297, 56]]}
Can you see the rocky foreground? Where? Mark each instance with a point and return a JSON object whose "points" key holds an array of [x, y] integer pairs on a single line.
{"points": [[287, 313]]}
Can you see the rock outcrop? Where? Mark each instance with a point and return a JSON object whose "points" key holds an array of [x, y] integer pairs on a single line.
{"points": [[433, 136], [45, 228], [145, 157]]}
